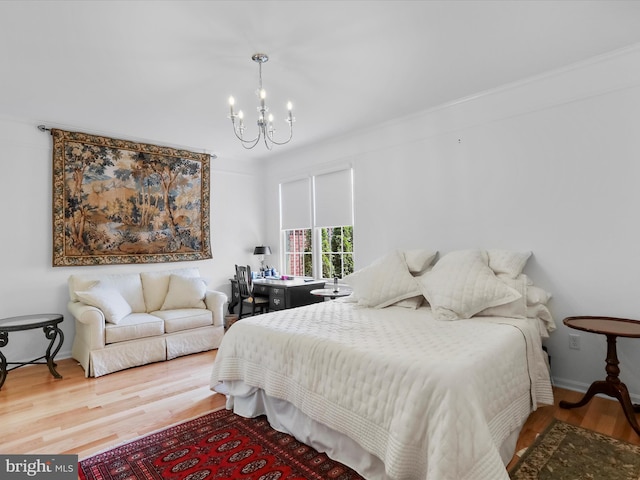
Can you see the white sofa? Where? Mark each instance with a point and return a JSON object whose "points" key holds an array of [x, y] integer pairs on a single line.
{"points": [[127, 320]]}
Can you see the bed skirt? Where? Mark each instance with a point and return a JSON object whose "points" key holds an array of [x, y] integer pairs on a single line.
{"points": [[284, 417]]}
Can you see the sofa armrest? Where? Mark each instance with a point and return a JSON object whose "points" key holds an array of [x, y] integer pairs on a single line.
{"points": [[215, 302], [89, 323]]}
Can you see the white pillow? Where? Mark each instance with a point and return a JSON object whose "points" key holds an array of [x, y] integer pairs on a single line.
{"points": [[156, 285], [515, 309], [542, 312], [461, 284], [112, 304], [418, 260], [536, 295], [507, 262], [385, 281], [185, 292], [412, 303]]}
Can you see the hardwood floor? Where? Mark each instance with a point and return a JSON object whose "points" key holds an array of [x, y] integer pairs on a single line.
{"points": [[79, 415], [83, 416]]}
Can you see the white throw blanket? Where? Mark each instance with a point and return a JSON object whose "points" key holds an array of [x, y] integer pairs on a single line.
{"points": [[432, 399]]}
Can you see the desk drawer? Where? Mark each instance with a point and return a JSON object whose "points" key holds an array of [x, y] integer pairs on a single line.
{"points": [[277, 299], [261, 290]]}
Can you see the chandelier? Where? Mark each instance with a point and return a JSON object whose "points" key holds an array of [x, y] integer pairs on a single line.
{"points": [[265, 122]]}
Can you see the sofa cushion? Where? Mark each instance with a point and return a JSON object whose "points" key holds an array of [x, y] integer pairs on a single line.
{"points": [[155, 285], [128, 285], [185, 292], [184, 319], [135, 325], [113, 305]]}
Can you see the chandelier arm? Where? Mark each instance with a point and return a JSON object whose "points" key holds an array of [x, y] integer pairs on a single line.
{"points": [[245, 144], [254, 141], [246, 141], [266, 143], [286, 141]]}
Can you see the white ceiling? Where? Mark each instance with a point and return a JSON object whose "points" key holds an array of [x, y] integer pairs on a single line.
{"points": [[162, 71]]}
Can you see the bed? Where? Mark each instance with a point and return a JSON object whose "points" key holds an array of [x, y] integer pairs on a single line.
{"points": [[387, 381]]}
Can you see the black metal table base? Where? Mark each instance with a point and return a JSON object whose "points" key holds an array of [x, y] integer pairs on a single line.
{"points": [[51, 332]]}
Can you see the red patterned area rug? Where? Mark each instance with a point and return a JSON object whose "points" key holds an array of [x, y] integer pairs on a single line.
{"points": [[215, 446]]}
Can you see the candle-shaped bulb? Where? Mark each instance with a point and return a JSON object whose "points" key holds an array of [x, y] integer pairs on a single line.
{"points": [[289, 106], [263, 95], [240, 115], [270, 118], [231, 102]]}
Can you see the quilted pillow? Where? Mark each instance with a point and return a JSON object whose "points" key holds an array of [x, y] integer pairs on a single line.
{"points": [[412, 303], [185, 292], [507, 262], [109, 300], [385, 281], [461, 284], [418, 260], [515, 309]]}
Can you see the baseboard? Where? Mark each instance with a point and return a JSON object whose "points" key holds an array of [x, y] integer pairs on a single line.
{"points": [[583, 387]]}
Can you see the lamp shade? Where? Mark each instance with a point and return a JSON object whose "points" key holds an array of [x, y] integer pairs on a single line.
{"points": [[262, 250]]}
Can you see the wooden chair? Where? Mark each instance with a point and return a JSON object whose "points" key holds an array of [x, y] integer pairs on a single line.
{"points": [[245, 289]]}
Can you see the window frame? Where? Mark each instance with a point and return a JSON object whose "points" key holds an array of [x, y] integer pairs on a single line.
{"points": [[316, 230]]}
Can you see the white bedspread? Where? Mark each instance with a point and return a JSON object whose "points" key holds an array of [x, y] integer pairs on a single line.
{"points": [[432, 399]]}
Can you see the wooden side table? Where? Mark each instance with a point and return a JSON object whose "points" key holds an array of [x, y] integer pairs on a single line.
{"points": [[49, 324], [612, 328]]}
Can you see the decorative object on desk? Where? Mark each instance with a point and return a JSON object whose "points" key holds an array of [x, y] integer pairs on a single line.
{"points": [[265, 122], [220, 444], [117, 202], [565, 451], [336, 289], [260, 251]]}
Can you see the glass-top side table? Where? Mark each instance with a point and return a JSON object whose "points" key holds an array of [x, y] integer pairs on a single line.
{"points": [[330, 293], [49, 324], [612, 328]]}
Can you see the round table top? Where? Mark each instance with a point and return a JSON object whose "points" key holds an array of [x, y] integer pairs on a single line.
{"points": [[330, 292], [26, 322], [621, 327]]}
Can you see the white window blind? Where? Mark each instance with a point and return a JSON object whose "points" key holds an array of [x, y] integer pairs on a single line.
{"points": [[333, 199], [295, 204]]}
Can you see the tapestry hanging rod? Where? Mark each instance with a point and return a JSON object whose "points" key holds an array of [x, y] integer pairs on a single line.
{"points": [[43, 128]]}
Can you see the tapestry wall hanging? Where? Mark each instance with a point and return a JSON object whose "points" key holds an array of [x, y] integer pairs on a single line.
{"points": [[116, 202]]}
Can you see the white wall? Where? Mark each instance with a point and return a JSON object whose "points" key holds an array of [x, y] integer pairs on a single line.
{"points": [[549, 165], [28, 282]]}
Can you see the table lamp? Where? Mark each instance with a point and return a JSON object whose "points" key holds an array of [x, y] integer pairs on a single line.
{"points": [[261, 251]]}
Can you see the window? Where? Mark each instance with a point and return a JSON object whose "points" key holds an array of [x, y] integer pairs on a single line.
{"points": [[316, 218], [337, 251], [297, 252]]}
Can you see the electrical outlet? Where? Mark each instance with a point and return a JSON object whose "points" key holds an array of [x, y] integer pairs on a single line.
{"points": [[574, 341]]}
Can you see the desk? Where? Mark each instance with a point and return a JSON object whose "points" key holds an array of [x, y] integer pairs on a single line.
{"points": [[282, 293], [49, 324], [612, 328]]}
